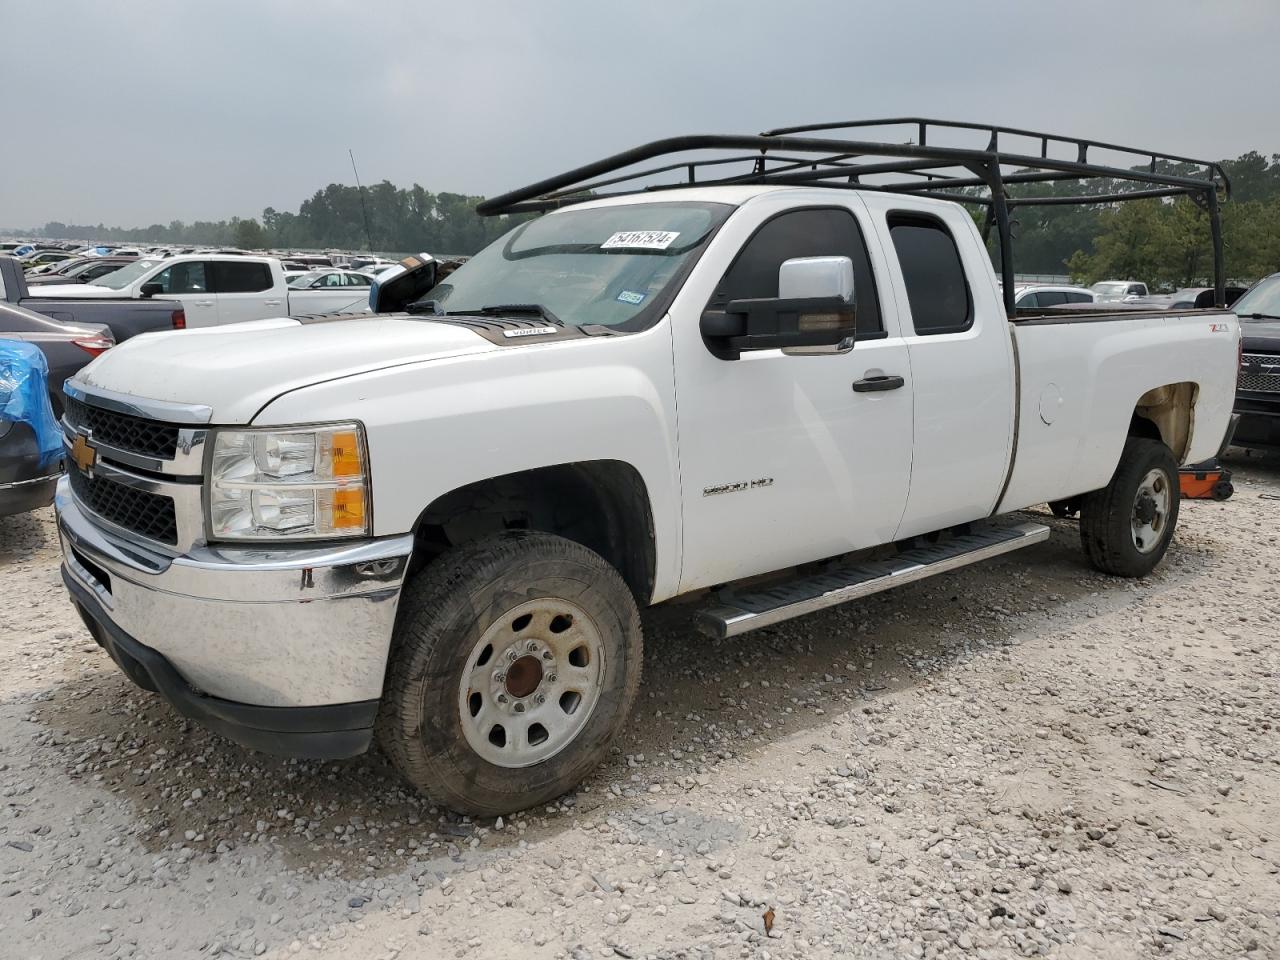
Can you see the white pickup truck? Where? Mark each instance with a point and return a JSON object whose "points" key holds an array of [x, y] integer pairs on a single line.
{"points": [[214, 289], [440, 525]]}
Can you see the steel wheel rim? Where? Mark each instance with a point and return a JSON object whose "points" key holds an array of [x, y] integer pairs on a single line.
{"points": [[531, 682], [1149, 519]]}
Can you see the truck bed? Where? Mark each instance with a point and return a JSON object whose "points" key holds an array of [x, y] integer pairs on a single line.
{"points": [[1076, 368]]}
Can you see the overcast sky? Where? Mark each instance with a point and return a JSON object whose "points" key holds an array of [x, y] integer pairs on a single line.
{"points": [[135, 113]]}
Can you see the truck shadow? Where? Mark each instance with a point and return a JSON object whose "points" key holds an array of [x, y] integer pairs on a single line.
{"points": [[701, 702]]}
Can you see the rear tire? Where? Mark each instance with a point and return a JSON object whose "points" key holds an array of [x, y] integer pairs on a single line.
{"points": [[515, 662], [1125, 527]]}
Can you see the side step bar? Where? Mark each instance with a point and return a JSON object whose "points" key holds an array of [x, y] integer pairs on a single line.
{"points": [[734, 613]]}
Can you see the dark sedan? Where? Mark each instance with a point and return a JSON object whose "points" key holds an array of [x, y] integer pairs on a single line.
{"points": [[66, 346]]}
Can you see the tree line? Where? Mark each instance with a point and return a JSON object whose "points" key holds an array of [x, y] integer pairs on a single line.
{"points": [[1162, 242], [398, 221]]}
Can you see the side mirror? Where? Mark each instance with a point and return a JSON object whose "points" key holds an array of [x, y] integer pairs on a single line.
{"points": [[151, 289], [814, 313]]}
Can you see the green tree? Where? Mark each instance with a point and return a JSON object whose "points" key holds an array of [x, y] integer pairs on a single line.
{"points": [[248, 235]]}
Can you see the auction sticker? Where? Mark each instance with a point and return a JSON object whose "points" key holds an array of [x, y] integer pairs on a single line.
{"points": [[640, 240], [633, 297]]}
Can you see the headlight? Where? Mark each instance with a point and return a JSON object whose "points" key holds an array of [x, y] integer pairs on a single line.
{"points": [[289, 483]]}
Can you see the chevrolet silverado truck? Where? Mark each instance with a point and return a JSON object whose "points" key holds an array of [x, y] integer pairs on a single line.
{"points": [[1258, 390], [770, 394], [212, 289]]}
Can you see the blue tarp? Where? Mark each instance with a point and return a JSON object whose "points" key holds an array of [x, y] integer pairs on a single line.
{"points": [[24, 395]]}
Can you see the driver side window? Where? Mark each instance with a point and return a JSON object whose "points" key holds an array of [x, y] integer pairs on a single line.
{"points": [[182, 278], [818, 232]]}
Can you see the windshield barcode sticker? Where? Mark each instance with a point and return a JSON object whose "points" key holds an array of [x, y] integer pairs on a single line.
{"points": [[640, 240]]}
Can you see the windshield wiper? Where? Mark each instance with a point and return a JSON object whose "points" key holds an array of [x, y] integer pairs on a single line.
{"points": [[504, 309], [1258, 316]]}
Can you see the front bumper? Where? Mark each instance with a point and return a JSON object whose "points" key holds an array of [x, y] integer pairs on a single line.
{"points": [[1259, 422], [281, 649]]}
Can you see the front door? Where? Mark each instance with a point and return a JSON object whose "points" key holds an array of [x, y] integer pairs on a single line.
{"points": [[788, 459], [189, 282]]}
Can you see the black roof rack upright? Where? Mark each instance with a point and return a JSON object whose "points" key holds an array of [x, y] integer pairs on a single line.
{"points": [[917, 165]]}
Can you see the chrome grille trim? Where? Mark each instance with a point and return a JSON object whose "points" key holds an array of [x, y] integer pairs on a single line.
{"points": [[1259, 373]]}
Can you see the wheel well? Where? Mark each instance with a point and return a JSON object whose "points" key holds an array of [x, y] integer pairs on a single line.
{"points": [[1166, 414], [601, 504]]}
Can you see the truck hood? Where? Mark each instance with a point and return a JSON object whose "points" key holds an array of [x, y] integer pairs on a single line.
{"points": [[240, 368], [1261, 335]]}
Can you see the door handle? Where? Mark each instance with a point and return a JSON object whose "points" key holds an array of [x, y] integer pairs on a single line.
{"points": [[202, 303], [271, 303], [877, 384]]}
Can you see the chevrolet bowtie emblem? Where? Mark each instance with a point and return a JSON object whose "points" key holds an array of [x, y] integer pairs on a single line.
{"points": [[83, 454]]}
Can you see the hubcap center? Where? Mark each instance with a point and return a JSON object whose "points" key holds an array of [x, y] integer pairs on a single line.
{"points": [[524, 676], [1144, 510]]}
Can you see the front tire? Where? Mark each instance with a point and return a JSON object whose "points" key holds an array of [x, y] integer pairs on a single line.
{"points": [[1125, 527], [515, 663]]}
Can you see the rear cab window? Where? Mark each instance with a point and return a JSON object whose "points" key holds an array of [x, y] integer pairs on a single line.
{"points": [[937, 286], [238, 276]]}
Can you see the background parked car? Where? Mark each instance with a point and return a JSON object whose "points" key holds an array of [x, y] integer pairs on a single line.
{"points": [[1199, 298], [31, 449], [1258, 387], [1033, 296], [84, 270], [330, 279], [66, 346], [1116, 291]]}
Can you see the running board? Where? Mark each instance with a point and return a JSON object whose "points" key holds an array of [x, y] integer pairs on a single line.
{"points": [[735, 613]]}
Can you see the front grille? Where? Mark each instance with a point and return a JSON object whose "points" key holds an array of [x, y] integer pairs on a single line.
{"points": [[124, 432], [1264, 377], [147, 514]]}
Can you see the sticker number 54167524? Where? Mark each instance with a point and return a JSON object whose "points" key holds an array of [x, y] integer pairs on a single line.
{"points": [[640, 240]]}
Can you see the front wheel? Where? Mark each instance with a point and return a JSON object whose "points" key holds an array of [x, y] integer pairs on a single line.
{"points": [[515, 662], [1126, 526]]}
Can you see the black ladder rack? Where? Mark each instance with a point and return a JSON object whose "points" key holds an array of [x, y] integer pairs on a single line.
{"points": [[917, 165]]}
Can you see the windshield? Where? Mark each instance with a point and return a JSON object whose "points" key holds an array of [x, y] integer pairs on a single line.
{"points": [[119, 279], [596, 266], [1264, 299], [1109, 288], [304, 279]]}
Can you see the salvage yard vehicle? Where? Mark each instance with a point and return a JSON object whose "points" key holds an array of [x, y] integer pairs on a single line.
{"points": [[213, 289], [31, 448], [124, 318], [1258, 390], [66, 346], [777, 389]]}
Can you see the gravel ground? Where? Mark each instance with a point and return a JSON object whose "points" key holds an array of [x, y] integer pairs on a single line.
{"points": [[1017, 759]]}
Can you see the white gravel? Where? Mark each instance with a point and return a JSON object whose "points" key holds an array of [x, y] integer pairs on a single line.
{"points": [[1019, 759]]}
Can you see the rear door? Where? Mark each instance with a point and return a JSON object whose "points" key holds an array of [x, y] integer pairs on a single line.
{"points": [[961, 362], [331, 292], [245, 290]]}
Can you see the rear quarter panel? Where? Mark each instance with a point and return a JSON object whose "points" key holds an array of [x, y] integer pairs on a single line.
{"points": [[1080, 380]]}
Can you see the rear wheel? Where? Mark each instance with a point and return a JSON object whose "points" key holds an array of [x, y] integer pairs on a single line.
{"points": [[1126, 526], [516, 660]]}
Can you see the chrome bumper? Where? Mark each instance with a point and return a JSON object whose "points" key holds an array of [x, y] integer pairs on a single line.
{"points": [[278, 627]]}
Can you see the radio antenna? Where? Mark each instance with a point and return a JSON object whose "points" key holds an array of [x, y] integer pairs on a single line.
{"points": [[368, 236]]}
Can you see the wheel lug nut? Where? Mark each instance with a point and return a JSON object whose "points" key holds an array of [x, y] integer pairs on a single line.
{"points": [[519, 708], [532, 646], [551, 678], [511, 655], [546, 655], [541, 698], [502, 698], [499, 677]]}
